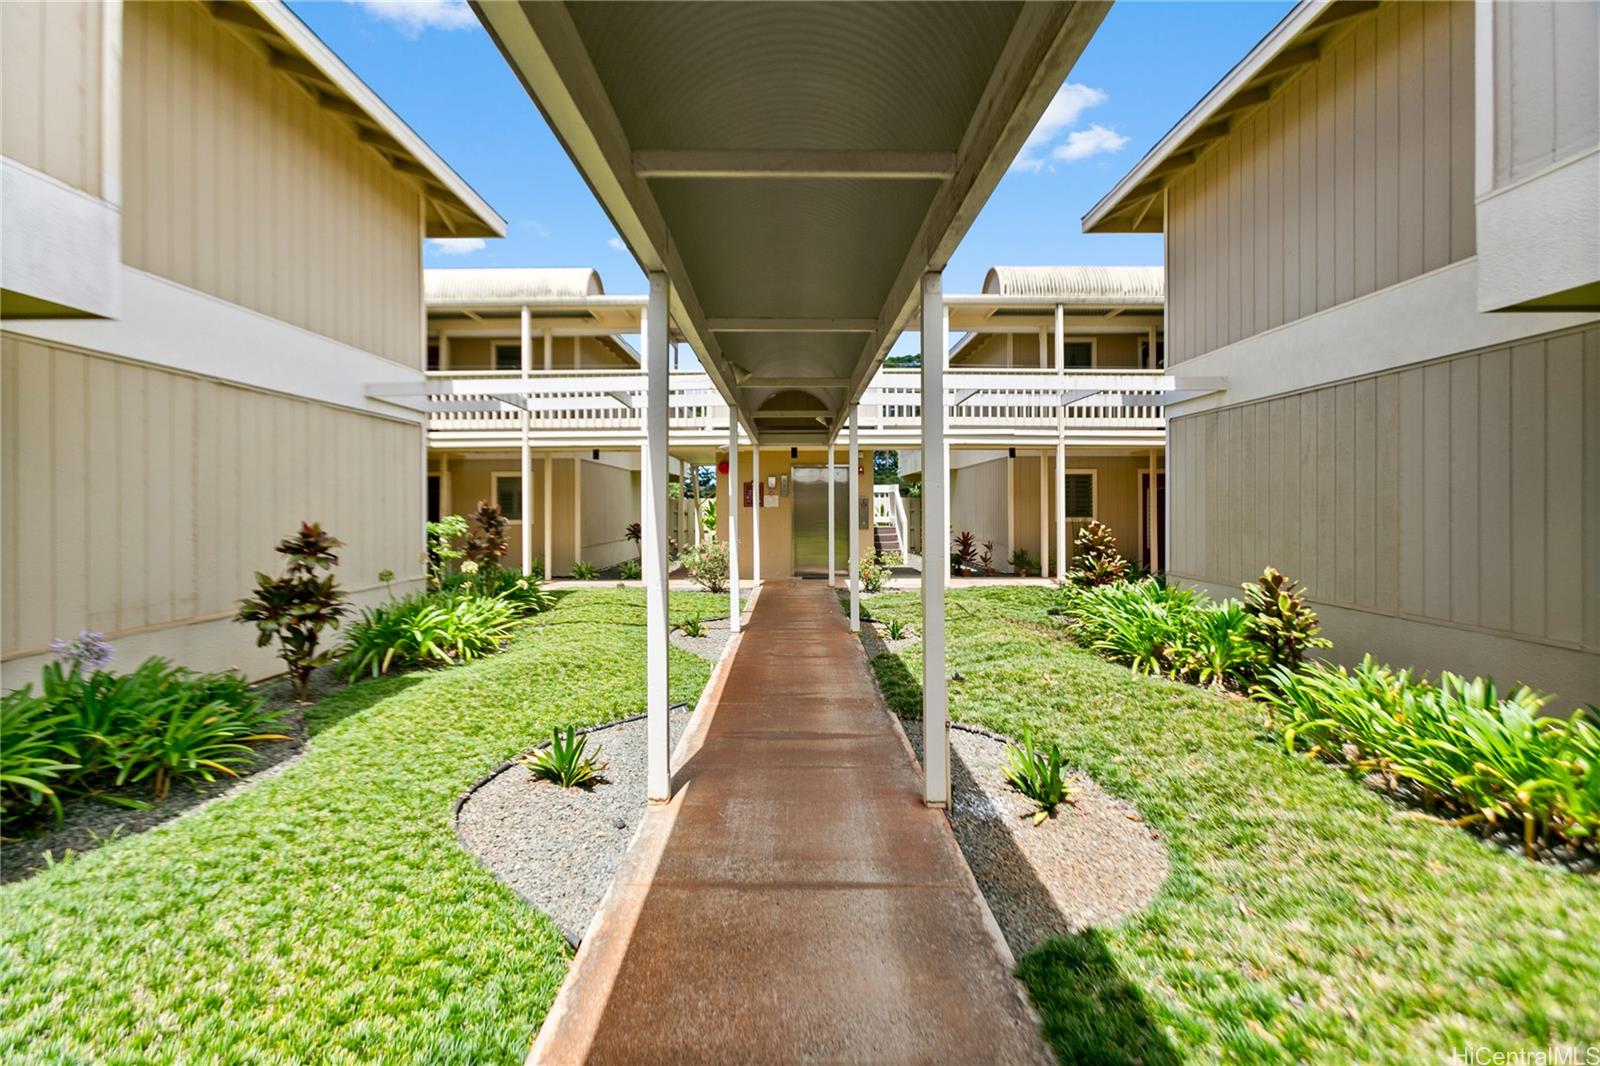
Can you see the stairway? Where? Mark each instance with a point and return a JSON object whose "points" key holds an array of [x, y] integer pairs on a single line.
{"points": [[885, 539]]}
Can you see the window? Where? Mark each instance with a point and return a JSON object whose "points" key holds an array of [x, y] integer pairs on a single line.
{"points": [[1080, 355], [433, 356], [508, 496], [508, 356], [1161, 354], [1080, 495]]}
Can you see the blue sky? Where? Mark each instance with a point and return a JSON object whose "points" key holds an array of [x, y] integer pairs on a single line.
{"points": [[437, 68]]}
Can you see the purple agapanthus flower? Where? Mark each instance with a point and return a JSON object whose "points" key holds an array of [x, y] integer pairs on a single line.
{"points": [[89, 651]]}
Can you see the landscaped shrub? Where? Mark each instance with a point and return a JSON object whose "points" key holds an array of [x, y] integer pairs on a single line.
{"points": [[1023, 563], [426, 629], [964, 553], [294, 609], [442, 550], [1219, 648], [582, 571], [524, 594], [986, 559], [1039, 774], [1493, 761], [874, 572], [90, 730], [629, 570], [707, 565], [1280, 619], [1096, 560], [487, 546], [1141, 623], [567, 761]]}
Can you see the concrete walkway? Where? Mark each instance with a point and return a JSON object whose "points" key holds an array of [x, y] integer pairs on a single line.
{"points": [[795, 901]]}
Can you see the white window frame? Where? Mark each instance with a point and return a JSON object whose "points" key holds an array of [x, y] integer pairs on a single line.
{"points": [[1094, 493], [495, 347]]}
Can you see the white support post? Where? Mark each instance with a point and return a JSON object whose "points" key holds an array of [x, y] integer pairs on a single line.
{"points": [[1011, 501], [1044, 514], [1150, 342], [1063, 549], [756, 500], [549, 517], [653, 543], [731, 520], [549, 350], [525, 466], [935, 547], [577, 508], [833, 520], [851, 519]]}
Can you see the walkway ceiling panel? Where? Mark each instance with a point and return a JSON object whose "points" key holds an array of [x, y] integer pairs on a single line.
{"points": [[802, 164]]}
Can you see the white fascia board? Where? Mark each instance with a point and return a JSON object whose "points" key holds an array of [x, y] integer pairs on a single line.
{"points": [[173, 327], [1045, 304], [288, 26], [1279, 38], [58, 243], [540, 303], [1415, 321]]}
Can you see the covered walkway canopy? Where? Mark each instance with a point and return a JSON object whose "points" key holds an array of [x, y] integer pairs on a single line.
{"points": [[792, 177]]}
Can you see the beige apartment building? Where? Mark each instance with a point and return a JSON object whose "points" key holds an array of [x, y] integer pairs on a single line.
{"points": [[212, 237], [540, 360], [1383, 244]]}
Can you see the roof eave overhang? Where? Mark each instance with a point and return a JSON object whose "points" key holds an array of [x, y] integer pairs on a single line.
{"points": [[1134, 204], [454, 208]]}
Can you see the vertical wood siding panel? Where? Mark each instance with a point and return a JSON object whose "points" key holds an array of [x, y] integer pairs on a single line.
{"points": [[1289, 106], [1564, 477], [1386, 134], [104, 531], [1494, 489], [1533, 87], [1364, 218], [1365, 487], [1436, 136], [10, 489], [156, 484], [1262, 224], [1413, 538], [1436, 490], [1344, 191], [1309, 255], [1327, 177], [61, 87], [1463, 103], [1528, 509], [177, 527], [1386, 593], [1328, 525], [1273, 117], [210, 579], [1344, 464], [1591, 489], [1576, 121], [1277, 494], [22, 77], [65, 512], [1465, 480], [1412, 193], [36, 548], [1310, 533], [132, 425]]}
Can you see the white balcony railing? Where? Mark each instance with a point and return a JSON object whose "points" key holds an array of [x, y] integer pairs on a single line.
{"points": [[606, 407]]}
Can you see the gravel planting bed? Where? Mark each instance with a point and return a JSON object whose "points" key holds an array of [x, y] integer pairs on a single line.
{"points": [[710, 644], [1092, 864], [558, 848]]}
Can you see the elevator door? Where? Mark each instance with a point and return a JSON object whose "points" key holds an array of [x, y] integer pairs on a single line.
{"points": [[810, 488]]}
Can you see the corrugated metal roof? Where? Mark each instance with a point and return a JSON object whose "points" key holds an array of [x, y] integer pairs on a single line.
{"points": [[493, 285], [1114, 284]]}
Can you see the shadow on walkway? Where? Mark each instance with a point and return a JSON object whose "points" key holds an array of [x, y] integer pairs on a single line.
{"points": [[1091, 1012]]}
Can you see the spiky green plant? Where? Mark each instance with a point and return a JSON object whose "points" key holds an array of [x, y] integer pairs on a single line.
{"points": [[582, 571], [1023, 563], [427, 629], [295, 608], [1039, 774], [1280, 619], [897, 629], [1218, 648], [629, 570], [567, 761], [1096, 560], [964, 553], [693, 627]]}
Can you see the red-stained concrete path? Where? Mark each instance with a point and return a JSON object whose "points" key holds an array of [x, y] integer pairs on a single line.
{"points": [[795, 900]]}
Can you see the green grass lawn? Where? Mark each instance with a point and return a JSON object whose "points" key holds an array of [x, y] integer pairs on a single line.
{"points": [[328, 914], [1305, 918]]}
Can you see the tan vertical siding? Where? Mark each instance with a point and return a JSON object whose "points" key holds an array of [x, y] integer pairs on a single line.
{"points": [[136, 497], [1546, 81], [50, 89], [1460, 492], [237, 184], [1356, 175]]}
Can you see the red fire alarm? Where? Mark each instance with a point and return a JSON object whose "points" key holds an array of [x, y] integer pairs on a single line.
{"points": [[860, 470], [722, 467]]}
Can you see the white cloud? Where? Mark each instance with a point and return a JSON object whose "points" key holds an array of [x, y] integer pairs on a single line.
{"points": [[1081, 144], [457, 245], [616, 244], [411, 17], [1070, 102]]}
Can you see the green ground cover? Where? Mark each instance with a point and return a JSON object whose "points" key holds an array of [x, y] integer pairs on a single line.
{"points": [[328, 914], [1306, 918]]}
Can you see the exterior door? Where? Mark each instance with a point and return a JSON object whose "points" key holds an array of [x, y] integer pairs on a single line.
{"points": [[1144, 516], [810, 487]]}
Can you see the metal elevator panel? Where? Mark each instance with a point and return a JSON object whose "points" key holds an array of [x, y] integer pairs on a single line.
{"points": [[810, 502]]}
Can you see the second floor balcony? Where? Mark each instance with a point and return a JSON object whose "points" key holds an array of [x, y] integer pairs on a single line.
{"points": [[997, 407]]}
